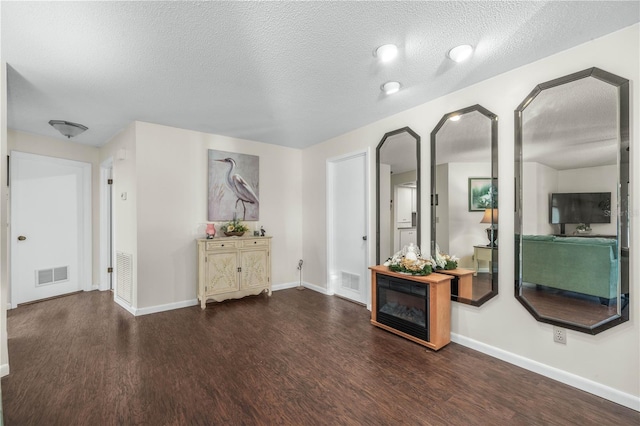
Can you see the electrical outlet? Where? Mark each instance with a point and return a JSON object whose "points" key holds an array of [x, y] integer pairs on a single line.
{"points": [[560, 335]]}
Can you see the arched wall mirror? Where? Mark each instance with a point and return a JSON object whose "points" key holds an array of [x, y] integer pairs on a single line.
{"points": [[464, 200], [398, 192], [572, 201]]}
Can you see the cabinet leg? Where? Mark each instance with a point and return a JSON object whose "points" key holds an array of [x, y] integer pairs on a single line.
{"points": [[203, 304], [269, 292]]}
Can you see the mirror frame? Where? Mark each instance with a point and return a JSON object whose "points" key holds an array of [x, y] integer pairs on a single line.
{"points": [[419, 214], [622, 85], [494, 179]]}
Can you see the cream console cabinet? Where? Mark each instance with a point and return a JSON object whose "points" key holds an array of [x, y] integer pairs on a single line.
{"points": [[233, 267]]}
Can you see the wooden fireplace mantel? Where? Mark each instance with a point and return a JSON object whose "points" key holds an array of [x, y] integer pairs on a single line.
{"points": [[439, 321]]}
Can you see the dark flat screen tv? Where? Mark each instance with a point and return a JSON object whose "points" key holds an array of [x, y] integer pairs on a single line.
{"points": [[580, 207]]}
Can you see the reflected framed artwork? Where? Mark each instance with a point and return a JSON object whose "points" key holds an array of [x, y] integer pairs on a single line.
{"points": [[481, 194]]}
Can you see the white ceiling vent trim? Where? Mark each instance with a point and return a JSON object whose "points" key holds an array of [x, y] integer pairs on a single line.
{"points": [[52, 275], [124, 276]]}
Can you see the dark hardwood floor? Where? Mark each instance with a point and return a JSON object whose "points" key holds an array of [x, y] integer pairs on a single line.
{"points": [[567, 306], [298, 358]]}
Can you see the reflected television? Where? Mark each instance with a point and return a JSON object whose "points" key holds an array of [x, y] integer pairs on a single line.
{"points": [[580, 207]]}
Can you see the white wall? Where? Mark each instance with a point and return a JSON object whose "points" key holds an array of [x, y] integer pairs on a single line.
{"points": [[541, 180], [171, 198], [538, 182], [386, 215], [124, 211], [593, 179], [608, 363], [442, 209], [465, 229]]}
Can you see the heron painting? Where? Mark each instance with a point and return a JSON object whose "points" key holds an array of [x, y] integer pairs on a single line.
{"points": [[233, 186]]}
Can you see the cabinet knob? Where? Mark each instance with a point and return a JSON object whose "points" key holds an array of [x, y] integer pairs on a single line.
{"points": [[22, 238]]}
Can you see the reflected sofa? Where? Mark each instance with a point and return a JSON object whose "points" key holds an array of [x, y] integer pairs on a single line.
{"points": [[581, 265]]}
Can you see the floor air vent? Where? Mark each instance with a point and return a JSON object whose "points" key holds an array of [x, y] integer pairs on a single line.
{"points": [[124, 276], [52, 275]]}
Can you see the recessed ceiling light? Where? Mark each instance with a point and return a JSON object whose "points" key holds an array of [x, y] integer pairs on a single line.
{"points": [[387, 52], [460, 53], [454, 118], [390, 87]]}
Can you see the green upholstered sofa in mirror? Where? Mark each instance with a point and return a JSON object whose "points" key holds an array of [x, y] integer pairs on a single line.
{"points": [[585, 266]]}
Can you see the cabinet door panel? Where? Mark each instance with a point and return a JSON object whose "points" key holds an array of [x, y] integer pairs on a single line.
{"points": [[222, 273], [255, 268]]}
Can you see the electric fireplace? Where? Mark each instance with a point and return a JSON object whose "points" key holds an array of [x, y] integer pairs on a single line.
{"points": [[417, 308], [403, 306]]}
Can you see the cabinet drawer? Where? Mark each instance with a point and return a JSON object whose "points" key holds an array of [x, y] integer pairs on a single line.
{"points": [[214, 245], [255, 243]]}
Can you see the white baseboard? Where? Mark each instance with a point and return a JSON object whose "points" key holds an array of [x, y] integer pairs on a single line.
{"points": [[166, 307], [277, 287], [565, 377], [4, 370], [124, 305], [319, 289], [310, 286], [187, 303]]}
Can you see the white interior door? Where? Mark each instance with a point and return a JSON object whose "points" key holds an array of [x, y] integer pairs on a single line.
{"points": [[347, 226], [50, 227]]}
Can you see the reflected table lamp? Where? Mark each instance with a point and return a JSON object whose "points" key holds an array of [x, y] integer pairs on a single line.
{"points": [[491, 216]]}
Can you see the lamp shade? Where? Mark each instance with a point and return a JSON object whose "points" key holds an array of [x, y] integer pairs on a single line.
{"points": [[68, 128], [486, 218]]}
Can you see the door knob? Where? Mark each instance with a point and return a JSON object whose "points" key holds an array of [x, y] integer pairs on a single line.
{"points": [[364, 238], [22, 238]]}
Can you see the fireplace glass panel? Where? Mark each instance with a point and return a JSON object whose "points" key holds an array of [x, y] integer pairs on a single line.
{"points": [[403, 306]]}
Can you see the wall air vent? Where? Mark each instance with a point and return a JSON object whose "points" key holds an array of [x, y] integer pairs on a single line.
{"points": [[124, 276]]}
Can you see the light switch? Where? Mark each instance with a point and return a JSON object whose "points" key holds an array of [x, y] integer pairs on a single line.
{"points": [[123, 196]]}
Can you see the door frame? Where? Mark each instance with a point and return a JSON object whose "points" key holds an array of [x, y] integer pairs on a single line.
{"points": [[107, 254], [367, 228], [85, 252]]}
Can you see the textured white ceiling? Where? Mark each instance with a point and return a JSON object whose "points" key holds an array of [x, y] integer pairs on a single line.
{"points": [[287, 73], [572, 126], [400, 153]]}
